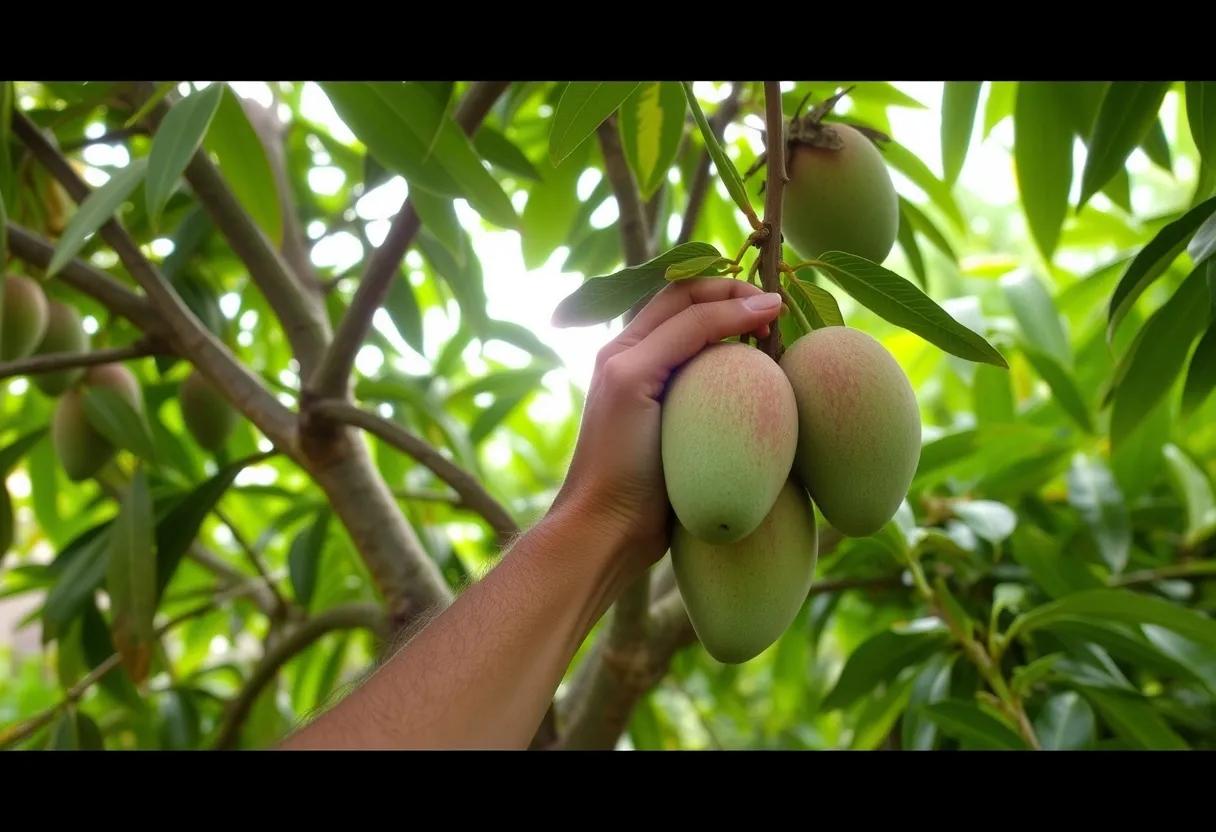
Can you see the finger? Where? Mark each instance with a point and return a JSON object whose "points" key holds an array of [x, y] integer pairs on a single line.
{"points": [[679, 296], [683, 335]]}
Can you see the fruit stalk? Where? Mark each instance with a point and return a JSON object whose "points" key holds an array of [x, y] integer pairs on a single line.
{"points": [[770, 251]]}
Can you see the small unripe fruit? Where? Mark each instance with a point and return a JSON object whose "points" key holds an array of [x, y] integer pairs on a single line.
{"points": [[840, 199], [82, 450], [729, 431], [742, 596], [23, 314], [64, 333], [208, 415], [859, 430]]}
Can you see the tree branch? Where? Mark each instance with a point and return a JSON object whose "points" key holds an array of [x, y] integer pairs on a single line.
{"points": [[347, 617], [699, 187], [331, 378], [632, 220], [472, 494], [770, 252], [50, 362]]}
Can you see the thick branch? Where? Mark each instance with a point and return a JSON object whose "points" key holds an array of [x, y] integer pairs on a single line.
{"points": [[699, 187], [471, 492], [347, 617], [632, 220], [50, 362], [331, 378], [770, 252]]}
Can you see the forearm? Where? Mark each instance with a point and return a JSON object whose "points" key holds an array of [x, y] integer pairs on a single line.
{"points": [[482, 674]]}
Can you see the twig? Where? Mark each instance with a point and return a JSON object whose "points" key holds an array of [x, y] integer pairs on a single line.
{"points": [[105, 138], [251, 554], [770, 253], [50, 362], [1197, 570]]}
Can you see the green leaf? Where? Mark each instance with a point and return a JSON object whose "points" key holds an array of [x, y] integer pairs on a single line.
{"points": [[1036, 315], [992, 396], [907, 163], [652, 125], [1195, 490], [1126, 643], [1201, 375], [1000, 103], [1128, 111], [402, 308], [491, 417], [551, 209], [1119, 605], [1201, 116], [878, 716], [1155, 359], [131, 579], [519, 336], [114, 418], [179, 135], [1028, 675], [6, 163], [465, 280], [896, 300], [1134, 720], [1153, 260], [583, 107], [959, 101], [921, 223], [1157, 147], [906, 235], [818, 304], [242, 161], [500, 151], [967, 722], [304, 558], [1042, 151], [65, 732], [1093, 492], [15, 450], [1066, 723], [603, 298], [880, 659], [709, 265], [932, 684], [1203, 244], [1063, 386], [725, 167], [1060, 573], [989, 519], [95, 211], [438, 216], [162, 89]]}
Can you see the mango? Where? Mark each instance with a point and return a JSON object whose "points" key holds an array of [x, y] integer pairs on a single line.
{"points": [[742, 596], [729, 432], [23, 315], [64, 333], [840, 199], [208, 415], [81, 449], [859, 429]]}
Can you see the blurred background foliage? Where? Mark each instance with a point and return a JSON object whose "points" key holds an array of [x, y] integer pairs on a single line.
{"points": [[1062, 514]]}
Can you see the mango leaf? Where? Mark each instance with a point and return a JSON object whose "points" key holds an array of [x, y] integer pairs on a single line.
{"points": [[15, 450], [242, 161], [1063, 386], [965, 721], [878, 717], [939, 193], [1157, 147], [989, 519], [959, 102], [551, 209], [463, 277], [1066, 723], [1155, 359], [906, 235], [500, 151], [438, 216], [992, 396], [880, 659], [1120, 605], [114, 418], [1000, 103], [1134, 720], [1126, 643], [896, 300], [1036, 315], [1203, 244], [818, 304], [1042, 152], [710, 265], [97, 209], [131, 579], [1060, 573], [1195, 490], [158, 94], [522, 337], [601, 299], [1093, 492], [179, 135], [1201, 116], [402, 307], [584, 105], [921, 223], [1201, 375], [725, 167], [652, 124], [1128, 111], [932, 684], [1153, 260], [304, 558]]}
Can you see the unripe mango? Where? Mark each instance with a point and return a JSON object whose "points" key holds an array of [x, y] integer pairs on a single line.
{"points": [[859, 428], [742, 596], [730, 428], [840, 200], [64, 333], [82, 450], [208, 415], [23, 316]]}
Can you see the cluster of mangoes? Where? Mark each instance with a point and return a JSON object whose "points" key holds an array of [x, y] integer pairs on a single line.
{"points": [[750, 445], [33, 324]]}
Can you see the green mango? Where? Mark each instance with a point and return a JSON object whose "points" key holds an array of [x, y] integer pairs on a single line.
{"points": [[208, 415], [729, 431], [859, 428], [63, 334], [742, 596], [81, 449], [23, 315]]}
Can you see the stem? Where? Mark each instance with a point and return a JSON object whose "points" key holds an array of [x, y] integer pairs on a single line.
{"points": [[797, 312], [50, 362], [698, 189], [770, 253]]}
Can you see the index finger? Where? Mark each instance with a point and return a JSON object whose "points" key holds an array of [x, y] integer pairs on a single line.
{"points": [[677, 297]]}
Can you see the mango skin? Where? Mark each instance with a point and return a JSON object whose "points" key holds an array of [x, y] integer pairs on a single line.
{"points": [[840, 200], [208, 415], [23, 317], [81, 449], [729, 431], [859, 428], [64, 333], [742, 596]]}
